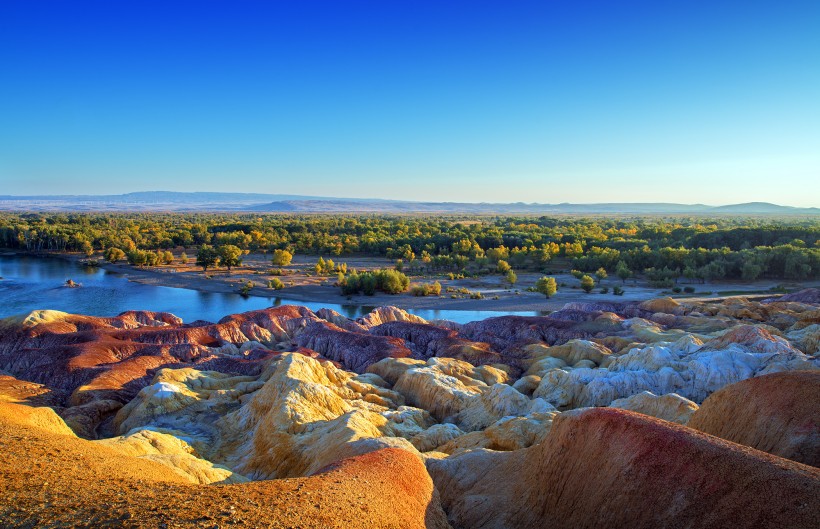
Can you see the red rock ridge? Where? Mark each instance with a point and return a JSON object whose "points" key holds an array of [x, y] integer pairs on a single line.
{"points": [[604, 467], [777, 413]]}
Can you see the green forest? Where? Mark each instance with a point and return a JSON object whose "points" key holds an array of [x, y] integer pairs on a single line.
{"points": [[662, 249]]}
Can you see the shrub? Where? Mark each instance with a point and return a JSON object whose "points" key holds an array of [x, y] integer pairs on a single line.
{"points": [[587, 283], [246, 288], [689, 290], [546, 286], [276, 284], [605, 290], [429, 289], [511, 277], [623, 271], [391, 281], [113, 255], [137, 257], [618, 291], [388, 281], [153, 258], [281, 257], [676, 290]]}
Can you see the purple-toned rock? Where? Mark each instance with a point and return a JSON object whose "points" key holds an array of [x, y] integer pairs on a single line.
{"points": [[508, 334], [355, 351], [386, 314], [809, 296], [427, 341], [340, 321]]}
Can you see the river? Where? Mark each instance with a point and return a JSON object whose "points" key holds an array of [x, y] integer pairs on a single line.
{"points": [[31, 283]]}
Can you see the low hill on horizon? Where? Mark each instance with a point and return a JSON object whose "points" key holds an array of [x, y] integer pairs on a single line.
{"points": [[283, 203]]}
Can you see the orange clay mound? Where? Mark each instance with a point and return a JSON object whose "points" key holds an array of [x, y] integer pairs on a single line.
{"points": [[777, 413], [605, 467], [53, 479], [14, 390]]}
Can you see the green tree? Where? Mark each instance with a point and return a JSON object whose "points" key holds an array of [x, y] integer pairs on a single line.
{"points": [[426, 289], [281, 257], [87, 248], [503, 266], [751, 271], [112, 255], [511, 277], [183, 258], [392, 281], [547, 286], [587, 283], [230, 255], [601, 274], [389, 281], [152, 258], [137, 257], [622, 271], [713, 271], [207, 257]]}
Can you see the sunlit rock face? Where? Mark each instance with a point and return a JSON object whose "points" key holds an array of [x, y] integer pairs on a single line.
{"points": [[383, 315], [677, 477], [670, 407], [149, 479], [286, 392], [686, 367], [777, 413]]}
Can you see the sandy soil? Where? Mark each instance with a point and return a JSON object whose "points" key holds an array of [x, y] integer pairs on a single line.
{"points": [[302, 284]]}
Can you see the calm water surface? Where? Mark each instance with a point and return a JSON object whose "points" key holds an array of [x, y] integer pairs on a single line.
{"points": [[31, 283]]}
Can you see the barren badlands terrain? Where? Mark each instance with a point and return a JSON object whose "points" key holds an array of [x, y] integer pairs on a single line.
{"points": [[661, 413]]}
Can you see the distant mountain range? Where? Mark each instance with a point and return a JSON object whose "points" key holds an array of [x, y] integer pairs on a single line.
{"points": [[272, 203]]}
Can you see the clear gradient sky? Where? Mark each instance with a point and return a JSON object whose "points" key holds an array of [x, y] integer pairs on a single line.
{"points": [[545, 101]]}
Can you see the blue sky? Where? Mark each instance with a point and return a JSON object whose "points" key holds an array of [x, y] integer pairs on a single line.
{"points": [[547, 101]]}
